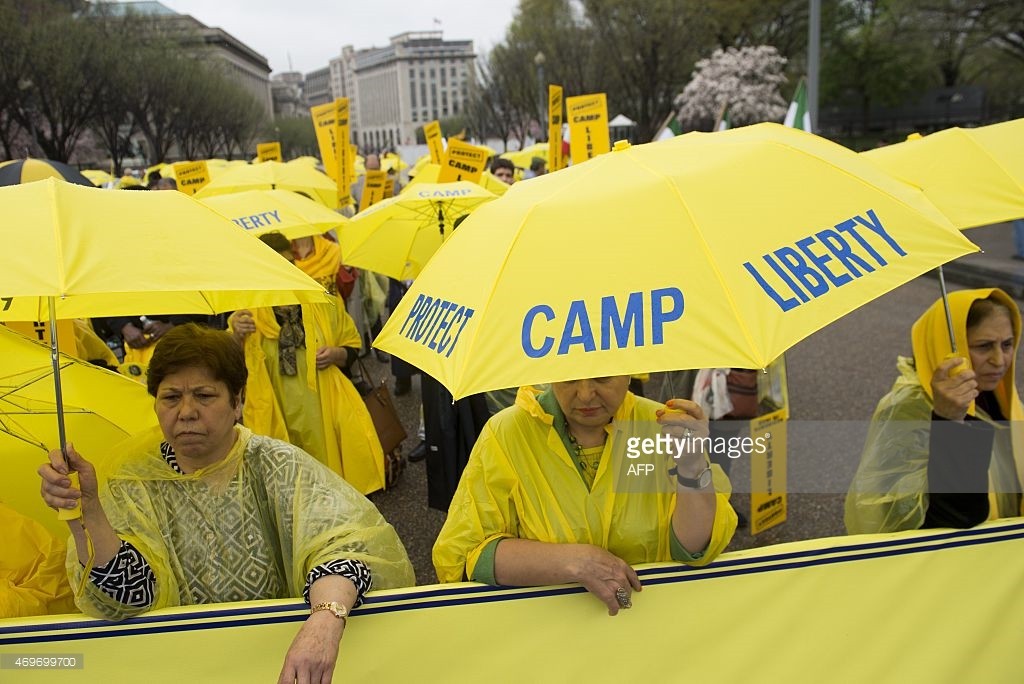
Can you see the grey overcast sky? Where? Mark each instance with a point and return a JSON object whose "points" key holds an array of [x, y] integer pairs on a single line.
{"points": [[311, 32]]}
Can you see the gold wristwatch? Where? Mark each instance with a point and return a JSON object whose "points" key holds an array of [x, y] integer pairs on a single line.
{"points": [[339, 611]]}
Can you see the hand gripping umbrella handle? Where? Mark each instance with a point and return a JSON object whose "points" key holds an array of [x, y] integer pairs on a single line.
{"points": [[76, 512]]}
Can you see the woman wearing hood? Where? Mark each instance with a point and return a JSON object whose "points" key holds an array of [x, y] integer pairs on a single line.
{"points": [[946, 444]]}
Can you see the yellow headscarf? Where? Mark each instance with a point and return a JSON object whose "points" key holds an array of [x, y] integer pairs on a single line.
{"points": [[930, 337], [322, 263]]}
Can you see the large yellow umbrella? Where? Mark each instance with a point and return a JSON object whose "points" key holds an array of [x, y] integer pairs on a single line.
{"points": [[975, 176], [98, 253], [100, 408], [280, 211], [707, 250], [397, 236], [274, 176]]}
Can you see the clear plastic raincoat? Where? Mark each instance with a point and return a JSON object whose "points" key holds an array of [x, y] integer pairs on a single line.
{"points": [[890, 490], [249, 527], [521, 482]]}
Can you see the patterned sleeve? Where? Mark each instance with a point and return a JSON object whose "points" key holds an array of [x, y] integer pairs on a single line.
{"points": [[352, 570], [127, 578]]}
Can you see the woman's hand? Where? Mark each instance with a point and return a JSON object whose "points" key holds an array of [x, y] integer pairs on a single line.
{"points": [[603, 574], [314, 651], [133, 337], [682, 418], [242, 325], [56, 489], [953, 394], [331, 356]]}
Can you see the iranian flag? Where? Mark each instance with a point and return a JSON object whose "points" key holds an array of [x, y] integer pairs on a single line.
{"points": [[798, 116]]}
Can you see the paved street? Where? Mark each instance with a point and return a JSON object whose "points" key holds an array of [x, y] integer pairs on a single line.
{"points": [[836, 377]]}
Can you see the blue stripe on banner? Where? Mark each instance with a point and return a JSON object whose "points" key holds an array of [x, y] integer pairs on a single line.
{"points": [[488, 594]]}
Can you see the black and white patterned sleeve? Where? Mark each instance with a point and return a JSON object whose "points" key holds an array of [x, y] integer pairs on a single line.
{"points": [[353, 570], [127, 578]]}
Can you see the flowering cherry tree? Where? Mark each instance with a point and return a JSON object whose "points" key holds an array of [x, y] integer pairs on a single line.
{"points": [[742, 82]]}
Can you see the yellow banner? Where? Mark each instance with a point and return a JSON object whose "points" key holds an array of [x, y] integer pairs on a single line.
{"points": [[343, 150], [269, 151], [192, 176], [40, 331], [588, 126], [805, 604], [323, 123], [463, 161], [556, 160], [373, 189], [432, 134], [768, 472]]}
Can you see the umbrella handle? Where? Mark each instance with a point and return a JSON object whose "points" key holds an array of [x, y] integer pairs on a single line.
{"points": [[76, 512]]}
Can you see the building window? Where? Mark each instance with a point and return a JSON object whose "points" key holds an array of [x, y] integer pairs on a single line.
{"points": [[444, 79], [453, 72], [414, 116], [412, 93]]}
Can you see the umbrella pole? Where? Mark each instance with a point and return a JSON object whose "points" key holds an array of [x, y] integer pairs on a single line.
{"points": [[55, 359], [945, 305], [440, 218]]}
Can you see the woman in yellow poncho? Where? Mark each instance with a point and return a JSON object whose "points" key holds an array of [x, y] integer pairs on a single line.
{"points": [[540, 501], [204, 511], [297, 391], [946, 448]]}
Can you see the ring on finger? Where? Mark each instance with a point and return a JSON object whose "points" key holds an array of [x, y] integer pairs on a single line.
{"points": [[622, 596]]}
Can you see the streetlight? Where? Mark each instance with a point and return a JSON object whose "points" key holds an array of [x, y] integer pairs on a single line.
{"points": [[538, 61]]}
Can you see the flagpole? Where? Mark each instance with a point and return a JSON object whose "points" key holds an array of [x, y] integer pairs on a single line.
{"points": [[813, 61], [721, 115]]}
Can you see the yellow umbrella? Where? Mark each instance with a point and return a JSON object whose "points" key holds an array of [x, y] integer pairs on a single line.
{"points": [[100, 408], [102, 253], [392, 161], [304, 160], [707, 250], [274, 176], [397, 236], [280, 211], [419, 165], [429, 172], [524, 157], [97, 176], [975, 176]]}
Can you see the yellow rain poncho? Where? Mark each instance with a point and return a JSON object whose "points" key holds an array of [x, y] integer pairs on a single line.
{"points": [[890, 490], [521, 482], [321, 411], [249, 527], [32, 577]]}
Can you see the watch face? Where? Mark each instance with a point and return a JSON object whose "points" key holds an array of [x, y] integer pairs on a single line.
{"points": [[704, 480]]}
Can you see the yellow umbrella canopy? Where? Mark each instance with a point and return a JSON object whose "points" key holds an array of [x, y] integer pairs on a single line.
{"points": [[100, 408], [97, 176], [975, 176], [275, 211], [429, 172], [702, 251], [397, 236], [274, 176], [524, 157], [99, 253]]}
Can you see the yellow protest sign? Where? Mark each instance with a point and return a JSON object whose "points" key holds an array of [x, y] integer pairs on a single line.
{"points": [[432, 133], [556, 160], [343, 151], [389, 186], [40, 331], [323, 123], [373, 189], [269, 151], [463, 161], [192, 176], [768, 472], [588, 126]]}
